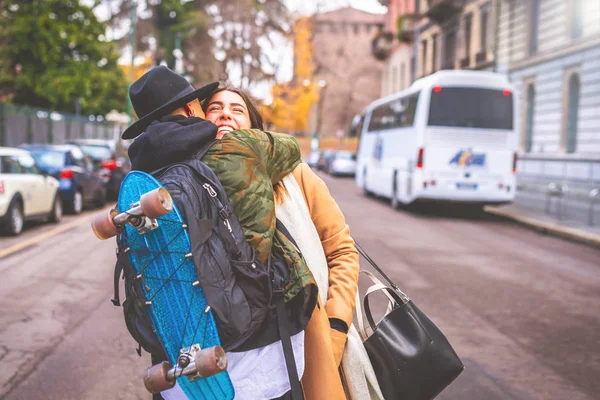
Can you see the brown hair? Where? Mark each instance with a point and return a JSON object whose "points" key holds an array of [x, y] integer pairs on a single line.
{"points": [[256, 122]]}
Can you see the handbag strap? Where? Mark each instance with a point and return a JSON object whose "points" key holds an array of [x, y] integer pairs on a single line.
{"points": [[403, 296], [377, 285]]}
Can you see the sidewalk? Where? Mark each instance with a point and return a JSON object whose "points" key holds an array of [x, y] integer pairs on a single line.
{"points": [[537, 219]]}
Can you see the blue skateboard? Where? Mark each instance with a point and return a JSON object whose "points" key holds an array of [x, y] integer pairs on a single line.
{"points": [[158, 247]]}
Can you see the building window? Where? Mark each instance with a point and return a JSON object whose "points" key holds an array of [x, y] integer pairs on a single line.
{"points": [[356, 28], [533, 27], [402, 76], [417, 6], [572, 113], [577, 20], [424, 58], [530, 104], [434, 56], [468, 29], [484, 27], [413, 68], [394, 79], [449, 50]]}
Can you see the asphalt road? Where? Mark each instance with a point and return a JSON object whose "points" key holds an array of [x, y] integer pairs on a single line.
{"points": [[520, 308]]}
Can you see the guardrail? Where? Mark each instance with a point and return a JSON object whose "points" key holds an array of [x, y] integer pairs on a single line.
{"points": [[558, 193], [560, 179]]}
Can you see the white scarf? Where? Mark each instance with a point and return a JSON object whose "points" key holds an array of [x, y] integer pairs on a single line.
{"points": [[356, 367]]}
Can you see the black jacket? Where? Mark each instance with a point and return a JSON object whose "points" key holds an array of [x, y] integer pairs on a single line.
{"points": [[170, 140]]}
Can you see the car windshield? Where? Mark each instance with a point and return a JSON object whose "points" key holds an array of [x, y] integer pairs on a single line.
{"points": [[48, 159], [96, 152], [346, 155], [467, 107]]}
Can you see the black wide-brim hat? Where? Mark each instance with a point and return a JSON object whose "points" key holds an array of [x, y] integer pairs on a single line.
{"points": [[158, 93]]}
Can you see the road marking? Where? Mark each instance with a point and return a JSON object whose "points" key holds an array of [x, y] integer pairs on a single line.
{"points": [[46, 235]]}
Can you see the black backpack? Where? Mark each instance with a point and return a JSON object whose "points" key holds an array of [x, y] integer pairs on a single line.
{"points": [[246, 296]]}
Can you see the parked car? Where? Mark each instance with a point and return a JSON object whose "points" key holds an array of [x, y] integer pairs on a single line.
{"points": [[325, 159], [313, 159], [112, 166], [25, 192], [342, 163], [80, 185]]}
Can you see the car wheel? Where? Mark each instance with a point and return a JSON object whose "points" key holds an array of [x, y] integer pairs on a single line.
{"points": [[57, 210], [15, 219], [76, 206]]}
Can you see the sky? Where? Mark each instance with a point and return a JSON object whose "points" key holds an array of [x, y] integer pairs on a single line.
{"points": [[283, 51], [309, 6]]}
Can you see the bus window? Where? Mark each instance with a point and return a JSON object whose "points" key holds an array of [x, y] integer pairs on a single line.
{"points": [[397, 113], [471, 108], [357, 124]]}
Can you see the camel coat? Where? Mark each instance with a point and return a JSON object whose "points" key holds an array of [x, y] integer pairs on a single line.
{"points": [[324, 346]]}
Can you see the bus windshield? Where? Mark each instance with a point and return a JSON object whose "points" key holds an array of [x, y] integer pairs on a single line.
{"points": [[469, 107]]}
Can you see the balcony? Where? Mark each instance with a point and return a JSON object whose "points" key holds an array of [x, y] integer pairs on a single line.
{"points": [[382, 45], [440, 11], [405, 27], [480, 57], [465, 62]]}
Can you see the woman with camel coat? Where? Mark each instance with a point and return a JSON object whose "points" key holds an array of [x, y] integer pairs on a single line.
{"points": [[313, 218]]}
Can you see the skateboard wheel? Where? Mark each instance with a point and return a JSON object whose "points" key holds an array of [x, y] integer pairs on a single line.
{"points": [[103, 225], [211, 361], [156, 203], [155, 378]]}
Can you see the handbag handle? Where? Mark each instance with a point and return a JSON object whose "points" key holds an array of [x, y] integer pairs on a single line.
{"points": [[389, 292], [359, 315], [377, 285]]}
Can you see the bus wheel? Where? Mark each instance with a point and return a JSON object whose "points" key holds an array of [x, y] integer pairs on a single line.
{"points": [[366, 191], [394, 201]]}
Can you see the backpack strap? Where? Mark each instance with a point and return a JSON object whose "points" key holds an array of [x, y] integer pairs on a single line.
{"points": [[281, 228], [286, 341], [204, 149], [117, 274]]}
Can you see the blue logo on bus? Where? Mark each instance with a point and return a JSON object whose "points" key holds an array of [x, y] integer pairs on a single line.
{"points": [[466, 158]]}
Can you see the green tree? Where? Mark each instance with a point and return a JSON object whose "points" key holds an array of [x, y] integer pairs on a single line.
{"points": [[53, 54]]}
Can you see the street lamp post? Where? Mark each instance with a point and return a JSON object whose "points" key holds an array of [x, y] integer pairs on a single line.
{"points": [[323, 85]]}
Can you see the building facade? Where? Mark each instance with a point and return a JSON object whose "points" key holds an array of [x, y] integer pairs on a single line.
{"points": [[348, 77], [455, 34], [436, 35], [398, 70], [550, 50]]}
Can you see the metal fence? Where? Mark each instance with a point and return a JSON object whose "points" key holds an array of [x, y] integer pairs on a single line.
{"points": [[21, 124], [567, 187]]}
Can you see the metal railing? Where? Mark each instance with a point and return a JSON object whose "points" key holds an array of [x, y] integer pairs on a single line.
{"points": [[566, 181], [22, 124]]}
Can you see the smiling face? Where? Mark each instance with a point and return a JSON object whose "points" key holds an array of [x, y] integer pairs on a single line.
{"points": [[228, 111]]}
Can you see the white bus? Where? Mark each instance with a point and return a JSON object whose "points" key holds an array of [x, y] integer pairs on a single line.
{"points": [[450, 136]]}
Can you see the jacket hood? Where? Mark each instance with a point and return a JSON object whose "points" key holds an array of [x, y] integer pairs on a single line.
{"points": [[170, 140]]}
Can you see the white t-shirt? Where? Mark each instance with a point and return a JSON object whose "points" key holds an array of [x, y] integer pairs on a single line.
{"points": [[258, 374]]}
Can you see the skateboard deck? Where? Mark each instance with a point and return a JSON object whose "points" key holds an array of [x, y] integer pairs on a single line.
{"points": [[175, 301]]}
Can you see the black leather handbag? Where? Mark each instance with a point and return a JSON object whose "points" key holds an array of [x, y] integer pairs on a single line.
{"points": [[411, 357]]}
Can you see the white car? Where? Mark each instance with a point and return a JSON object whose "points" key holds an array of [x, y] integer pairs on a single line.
{"points": [[342, 163], [25, 193]]}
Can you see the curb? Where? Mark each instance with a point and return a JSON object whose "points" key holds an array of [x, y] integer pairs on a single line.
{"points": [[549, 228]]}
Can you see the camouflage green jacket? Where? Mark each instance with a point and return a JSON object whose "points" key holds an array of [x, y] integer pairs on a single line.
{"points": [[249, 163]]}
